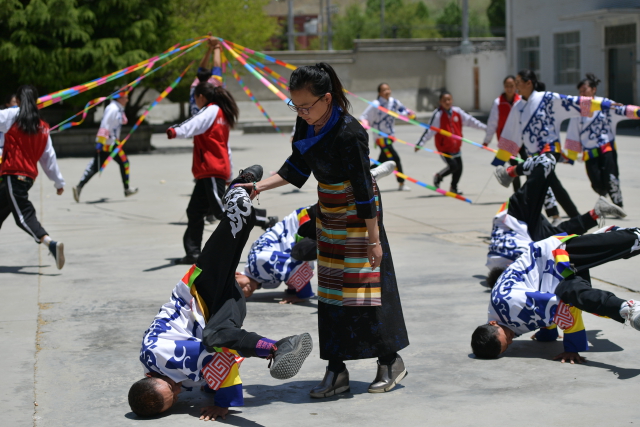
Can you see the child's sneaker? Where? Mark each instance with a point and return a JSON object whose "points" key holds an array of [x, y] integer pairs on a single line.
{"points": [[250, 174], [606, 209], [630, 312], [57, 250], [130, 191], [288, 354], [503, 177], [76, 194]]}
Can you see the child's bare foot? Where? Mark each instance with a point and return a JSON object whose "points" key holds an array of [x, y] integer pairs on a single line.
{"points": [[292, 299]]}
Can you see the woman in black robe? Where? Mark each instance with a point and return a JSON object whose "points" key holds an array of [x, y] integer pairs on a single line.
{"points": [[359, 310]]}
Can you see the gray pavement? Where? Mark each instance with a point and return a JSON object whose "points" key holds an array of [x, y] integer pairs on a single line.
{"points": [[69, 339]]}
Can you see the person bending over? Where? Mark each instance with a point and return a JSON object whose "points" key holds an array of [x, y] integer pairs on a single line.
{"points": [[197, 337], [520, 221], [549, 286]]}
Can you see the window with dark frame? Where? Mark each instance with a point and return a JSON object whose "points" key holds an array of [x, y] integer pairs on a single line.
{"points": [[529, 54], [567, 58]]}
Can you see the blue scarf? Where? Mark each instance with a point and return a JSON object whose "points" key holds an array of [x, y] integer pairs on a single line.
{"points": [[305, 144]]}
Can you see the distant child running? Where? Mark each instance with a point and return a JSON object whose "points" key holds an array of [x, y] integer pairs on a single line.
{"points": [[449, 118]]}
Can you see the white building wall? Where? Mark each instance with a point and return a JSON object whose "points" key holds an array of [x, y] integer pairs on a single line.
{"points": [[492, 67], [544, 18]]}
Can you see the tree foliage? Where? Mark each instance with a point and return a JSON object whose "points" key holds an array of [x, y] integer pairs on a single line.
{"points": [[449, 22], [402, 19], [497, 15], [55, 44]]}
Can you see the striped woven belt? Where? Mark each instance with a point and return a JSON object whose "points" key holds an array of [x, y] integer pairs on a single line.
{"points": [[592, 153]]}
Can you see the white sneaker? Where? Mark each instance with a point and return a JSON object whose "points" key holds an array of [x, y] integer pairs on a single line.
{"points": [[502, 176], [605, 208], [384, 169], [130, 191], [403, 187], [76, 194], [630, 312]]}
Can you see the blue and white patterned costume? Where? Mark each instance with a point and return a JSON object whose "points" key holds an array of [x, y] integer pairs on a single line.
{"points": [[270, 262], [524, 299], [380, 120], [172, 346], [586, 133]]}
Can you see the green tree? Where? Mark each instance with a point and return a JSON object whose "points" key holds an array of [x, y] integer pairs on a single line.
{"points": [[496, 13], [449, 22], [55, 44], [402, 19]]}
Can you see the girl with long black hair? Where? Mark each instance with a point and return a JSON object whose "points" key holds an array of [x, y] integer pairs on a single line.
{"points": [[595, 137], [27, 141], [211, 167], [359, 310]]}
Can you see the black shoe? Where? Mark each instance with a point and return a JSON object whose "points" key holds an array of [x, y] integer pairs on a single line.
{"points": [[271, 221], [455, 190], [57, 250], [288, 354], [388, 376], [250, 174], [331, 384], [187, 260]]}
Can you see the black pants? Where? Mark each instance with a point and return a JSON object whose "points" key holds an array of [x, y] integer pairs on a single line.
{"points": [[94, 166], [14, 199], [558, 191], [604, 175], [387, 152], [216, 284], [526, 204], [206, 198], [453, 168], [590, 251]]}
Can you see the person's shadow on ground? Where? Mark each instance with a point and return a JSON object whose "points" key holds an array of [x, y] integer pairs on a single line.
{"points": [[17, 269], [528, 348]]}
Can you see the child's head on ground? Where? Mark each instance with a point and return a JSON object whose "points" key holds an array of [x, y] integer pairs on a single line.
{"points": [[490, 340], [153, 395]]}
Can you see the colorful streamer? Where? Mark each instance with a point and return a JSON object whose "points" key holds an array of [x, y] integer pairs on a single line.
{"points": [[385, 110], [393, 138], [257, 75], [61, 95], [160, 97], [253, 98], [430, 187], [146, 73]]}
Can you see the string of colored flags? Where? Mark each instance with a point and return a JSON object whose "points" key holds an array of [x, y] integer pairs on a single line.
{"points": [[425, 185], [160, 97], [61, 95], [95, 102], [248, 51]]}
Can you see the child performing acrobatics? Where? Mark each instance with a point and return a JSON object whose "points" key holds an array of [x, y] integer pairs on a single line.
{"points": [[201, 325]]}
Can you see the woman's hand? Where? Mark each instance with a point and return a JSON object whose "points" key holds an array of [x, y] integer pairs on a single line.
{"points": [[249, 187], [374, 253]]}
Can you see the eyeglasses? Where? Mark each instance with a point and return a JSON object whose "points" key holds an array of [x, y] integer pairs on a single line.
{"points": [[303, 110]]}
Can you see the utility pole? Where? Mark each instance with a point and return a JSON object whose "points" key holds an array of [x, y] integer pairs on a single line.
{"points": [[321, 26], [381, 19], [291, 30], [465, 46], [329, 30]]}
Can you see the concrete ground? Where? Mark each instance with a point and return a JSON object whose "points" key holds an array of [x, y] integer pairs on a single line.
{"points": [[69, 339]]}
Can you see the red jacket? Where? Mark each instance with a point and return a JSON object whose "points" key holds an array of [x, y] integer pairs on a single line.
{"points": [[451, 124], [210, 131], [22, 151], [504, 108]]}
